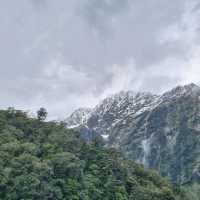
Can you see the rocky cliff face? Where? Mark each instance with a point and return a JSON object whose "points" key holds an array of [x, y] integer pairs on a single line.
{"points": [[162, 132]]}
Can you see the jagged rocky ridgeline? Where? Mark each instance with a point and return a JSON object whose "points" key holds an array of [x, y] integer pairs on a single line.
{"points": [[160, 131]]}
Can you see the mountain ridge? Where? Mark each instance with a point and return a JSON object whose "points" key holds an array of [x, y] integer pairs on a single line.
{"points": [[160, 131], [80, 116]]}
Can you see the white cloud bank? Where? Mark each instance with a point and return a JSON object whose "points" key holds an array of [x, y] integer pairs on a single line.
{"points": [[64, 55]]}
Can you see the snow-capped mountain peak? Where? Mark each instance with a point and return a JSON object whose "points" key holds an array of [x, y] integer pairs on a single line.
{"points": [[78, 117], [112, 110], [119, 107], [190, 89], [161, 132]]}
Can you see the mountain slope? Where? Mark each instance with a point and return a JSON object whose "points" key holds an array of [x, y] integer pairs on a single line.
{"points": [[43, 160], [161, 132]]}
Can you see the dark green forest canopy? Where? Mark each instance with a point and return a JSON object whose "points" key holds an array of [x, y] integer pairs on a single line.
{"points": [[44, 160]]}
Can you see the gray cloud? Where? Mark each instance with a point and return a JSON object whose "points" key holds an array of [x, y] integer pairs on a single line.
{"points": [[101, 14], [65, 54]]}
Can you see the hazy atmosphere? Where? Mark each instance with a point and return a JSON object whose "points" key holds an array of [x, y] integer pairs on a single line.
{"points": [[68, 54]]}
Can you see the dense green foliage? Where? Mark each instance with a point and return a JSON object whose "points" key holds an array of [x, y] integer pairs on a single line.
{"points": [[44, 160]]}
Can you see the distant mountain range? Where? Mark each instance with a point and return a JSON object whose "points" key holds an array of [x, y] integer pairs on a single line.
{"points": [[160, 131]]}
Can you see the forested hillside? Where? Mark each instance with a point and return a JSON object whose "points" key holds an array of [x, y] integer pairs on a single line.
{"points": [[43, 160]]}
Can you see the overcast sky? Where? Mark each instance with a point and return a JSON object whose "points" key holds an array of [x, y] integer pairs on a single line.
{"points": [[65, 54]]}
